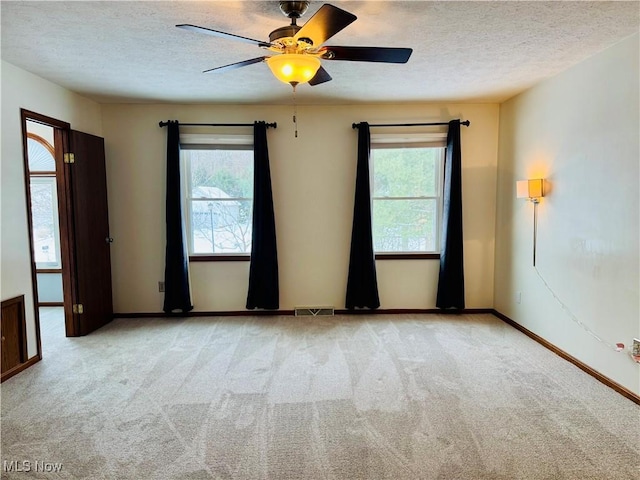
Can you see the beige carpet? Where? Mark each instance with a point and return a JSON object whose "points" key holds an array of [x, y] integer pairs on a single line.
{"points": [[345, 397]]}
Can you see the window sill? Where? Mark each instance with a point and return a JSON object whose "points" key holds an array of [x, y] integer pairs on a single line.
{"points": [[220, 258], [407, 256]]}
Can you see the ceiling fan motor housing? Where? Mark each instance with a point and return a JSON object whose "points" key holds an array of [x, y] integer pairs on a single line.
{"points": [[293, 9], [282, 32]]}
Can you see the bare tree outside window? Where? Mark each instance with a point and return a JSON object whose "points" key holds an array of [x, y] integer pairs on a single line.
{"points": [[220, 191]]}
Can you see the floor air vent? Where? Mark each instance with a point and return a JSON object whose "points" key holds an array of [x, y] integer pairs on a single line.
{"points": [[313, 311]]}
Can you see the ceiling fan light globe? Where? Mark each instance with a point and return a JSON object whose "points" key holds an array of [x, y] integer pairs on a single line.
{"points": [[293, 67]]}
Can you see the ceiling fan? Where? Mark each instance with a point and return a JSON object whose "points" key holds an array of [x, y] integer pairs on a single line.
{"points": [[299, 49]]}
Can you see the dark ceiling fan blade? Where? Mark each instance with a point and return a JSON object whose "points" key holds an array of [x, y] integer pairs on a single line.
{"points": [[231, 66], [321, 76], [216, 33], [367, 54], [324, 24]]}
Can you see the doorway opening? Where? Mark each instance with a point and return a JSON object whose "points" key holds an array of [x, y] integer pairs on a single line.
{"points": [[44, 141], [45, 228], [68, 221]]}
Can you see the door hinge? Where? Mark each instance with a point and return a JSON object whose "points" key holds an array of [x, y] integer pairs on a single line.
{"points": [[78, 308], [69, 158]]}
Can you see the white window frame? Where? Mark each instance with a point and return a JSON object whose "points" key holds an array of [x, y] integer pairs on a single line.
{"points": [[209, 142], [412, 140]]}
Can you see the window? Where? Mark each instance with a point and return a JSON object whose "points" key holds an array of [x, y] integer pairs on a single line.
{"points": [[44, 202], [44, 214], [407, 196], [219, 198]]}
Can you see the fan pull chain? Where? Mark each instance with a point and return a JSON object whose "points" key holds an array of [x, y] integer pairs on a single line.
{"points": [[295, 112]]}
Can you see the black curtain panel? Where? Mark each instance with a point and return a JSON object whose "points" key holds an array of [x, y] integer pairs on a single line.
{"points": [[263, 272], [451, 279], [177, 295], [362, 283]]}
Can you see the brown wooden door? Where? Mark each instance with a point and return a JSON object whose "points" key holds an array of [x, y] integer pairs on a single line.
{"points": [[91, 240]]}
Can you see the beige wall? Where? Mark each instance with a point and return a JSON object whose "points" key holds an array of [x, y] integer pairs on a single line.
{"points": [[313, 186], [21, 89], [580, 131]]}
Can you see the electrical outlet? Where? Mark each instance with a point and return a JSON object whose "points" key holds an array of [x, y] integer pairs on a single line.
{"points": [[518, 297], [635, 350], [161, 287]]}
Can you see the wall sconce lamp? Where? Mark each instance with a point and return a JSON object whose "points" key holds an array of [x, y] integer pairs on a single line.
{"points": [[533, 190]]}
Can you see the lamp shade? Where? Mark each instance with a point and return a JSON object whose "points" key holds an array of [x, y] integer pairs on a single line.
{"points": [[293, 68], [530, 188]]}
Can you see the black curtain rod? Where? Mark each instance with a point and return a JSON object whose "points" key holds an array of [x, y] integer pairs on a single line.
{"points": [[164, 124], [466, 123]]}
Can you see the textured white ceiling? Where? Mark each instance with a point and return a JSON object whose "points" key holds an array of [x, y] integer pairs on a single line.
{"points": [[120, 51]]}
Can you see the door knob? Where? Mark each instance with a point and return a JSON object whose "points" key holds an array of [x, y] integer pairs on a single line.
{"points": [[108, 240]]}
